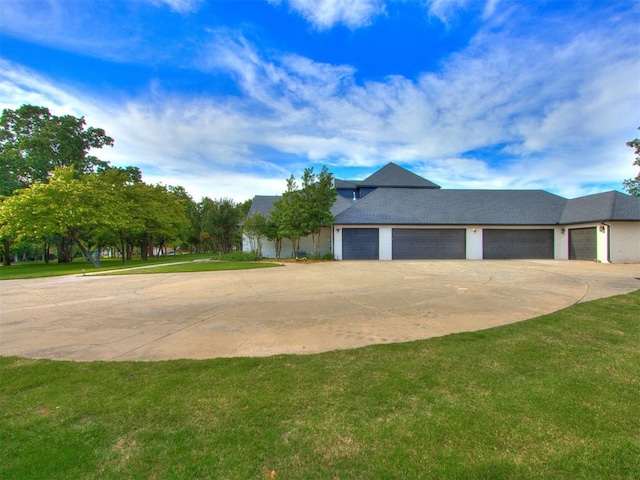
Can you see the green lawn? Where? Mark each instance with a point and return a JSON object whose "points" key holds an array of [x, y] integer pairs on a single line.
{"points": [[194, 263], [556, 397]]}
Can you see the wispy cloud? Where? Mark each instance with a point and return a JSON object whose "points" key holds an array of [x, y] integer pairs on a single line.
{"points": [[325, 14], [179, 6], [555, 112], [524, 97]]}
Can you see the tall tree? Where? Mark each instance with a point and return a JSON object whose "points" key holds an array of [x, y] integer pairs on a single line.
{"points": [[33, 142], [632, 185], [191, 230], [287, 210], [159, 217], [318, 195], [255, 228], [221, 221], [66, 206]]}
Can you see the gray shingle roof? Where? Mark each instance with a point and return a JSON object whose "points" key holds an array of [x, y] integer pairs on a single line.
{"points": [[602, 207], [262, 204], [404, 198], [391, 175], [351, 184], [455, 207]]}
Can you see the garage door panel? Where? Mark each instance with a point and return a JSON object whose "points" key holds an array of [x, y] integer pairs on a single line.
{"points": [[360, 244], [517, 244], [432, 243], [582, 243]]}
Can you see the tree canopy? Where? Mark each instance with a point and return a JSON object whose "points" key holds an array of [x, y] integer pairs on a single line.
{"points": [[33, 142], [66, 206], [54, 191], [304, 210], [632, 185]]}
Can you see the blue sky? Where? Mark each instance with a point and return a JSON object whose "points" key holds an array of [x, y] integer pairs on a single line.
{"points": [[229, 97]]}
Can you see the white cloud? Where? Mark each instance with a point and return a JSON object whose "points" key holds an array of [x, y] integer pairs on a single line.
{"points": [[565, 106], [325, 14], [445, 9], [179, 6], [555, 115]]}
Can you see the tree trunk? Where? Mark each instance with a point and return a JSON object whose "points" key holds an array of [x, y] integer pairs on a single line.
{"points": [[278, 245], [144, 247], [65, 250], [123, 252], [86, 253], [6, 253]]}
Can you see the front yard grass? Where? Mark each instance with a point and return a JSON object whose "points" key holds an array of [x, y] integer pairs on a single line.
{"points": [[556, 397], [182, 263]]}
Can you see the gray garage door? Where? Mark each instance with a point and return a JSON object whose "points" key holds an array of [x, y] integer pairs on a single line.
{"points": [[582, 243], [422, 243], [517, 243], [360, 244]]}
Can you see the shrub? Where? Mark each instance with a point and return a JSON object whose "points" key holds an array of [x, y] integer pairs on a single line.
{"points": [[238, 256]]}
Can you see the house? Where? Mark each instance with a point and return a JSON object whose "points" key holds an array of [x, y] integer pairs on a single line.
{"points": [[395, 214]]}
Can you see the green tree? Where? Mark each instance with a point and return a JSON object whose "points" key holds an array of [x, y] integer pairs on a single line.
{"points": [[66, 206], [632, 185], [318, 195], [272, 230], [33, 142], [255, 228], [191, 230], [221, 220], [122, 182], [159, 216], [287, 213], [7, 236]]}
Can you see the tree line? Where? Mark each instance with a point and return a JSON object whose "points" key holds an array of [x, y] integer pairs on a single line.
{"points": [[299, 212], [58, 199]]}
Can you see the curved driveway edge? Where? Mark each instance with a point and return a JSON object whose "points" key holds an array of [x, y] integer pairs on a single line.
{"points": [[301, 308]]}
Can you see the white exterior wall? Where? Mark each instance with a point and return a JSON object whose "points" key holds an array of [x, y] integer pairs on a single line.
{"points": [[384, 243], [474, 243], [625, 242], [561, 243], [306, 246], [337, 243], [602, 244]]}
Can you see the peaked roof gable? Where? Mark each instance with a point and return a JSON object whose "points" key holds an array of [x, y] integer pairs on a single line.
{"points": [[392, 175]]}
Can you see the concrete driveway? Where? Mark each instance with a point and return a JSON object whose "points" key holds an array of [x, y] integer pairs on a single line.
{"points": [[299, 308]]}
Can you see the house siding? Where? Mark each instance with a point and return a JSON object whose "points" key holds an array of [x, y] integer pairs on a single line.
{"points": [[306, 246]]}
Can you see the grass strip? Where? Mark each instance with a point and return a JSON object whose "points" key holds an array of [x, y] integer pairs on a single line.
{"points": [[23, 270], [204, 266], [556, 397]]}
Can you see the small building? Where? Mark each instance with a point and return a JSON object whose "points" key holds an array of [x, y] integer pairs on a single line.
{"points": [[395, 214]]}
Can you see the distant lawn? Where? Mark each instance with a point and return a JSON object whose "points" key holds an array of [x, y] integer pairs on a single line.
{"points": [[203, 266], [556, 397], [40, 269]]}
